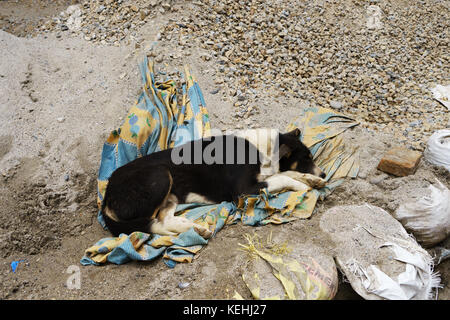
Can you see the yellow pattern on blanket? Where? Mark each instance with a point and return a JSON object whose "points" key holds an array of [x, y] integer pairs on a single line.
{"points": [[276, 271]]}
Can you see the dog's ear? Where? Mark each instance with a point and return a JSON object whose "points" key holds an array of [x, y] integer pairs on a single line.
{"points": [[295, 133], [288, 142], [284, 151]]}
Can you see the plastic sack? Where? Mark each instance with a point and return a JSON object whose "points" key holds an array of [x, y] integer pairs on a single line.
{"points": [[437, 151], [277, 271], [428, 218], [442, 94], [377, 256]]}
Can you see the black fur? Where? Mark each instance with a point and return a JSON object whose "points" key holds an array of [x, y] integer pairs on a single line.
{"points": [[299, 154], [138, 188]]}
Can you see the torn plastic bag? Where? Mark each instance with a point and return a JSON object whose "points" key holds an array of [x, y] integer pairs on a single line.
{"points": [[428, 218], [408, 283], [437, 151], [377, 256], [442, 94]]}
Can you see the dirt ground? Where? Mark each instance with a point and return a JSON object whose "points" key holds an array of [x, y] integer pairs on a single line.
{"points": [[59, 99]]}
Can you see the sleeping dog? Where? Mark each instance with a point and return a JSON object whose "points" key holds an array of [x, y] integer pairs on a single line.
{"points": [[143, 194]]}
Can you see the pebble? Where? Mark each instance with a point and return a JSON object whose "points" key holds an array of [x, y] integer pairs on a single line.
{"points": [[336, 104], [183, 285], [362, 174], [378, 179]]}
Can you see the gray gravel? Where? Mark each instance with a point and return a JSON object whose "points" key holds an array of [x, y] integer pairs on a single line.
{"points": [[326, 52], [374, 60]]}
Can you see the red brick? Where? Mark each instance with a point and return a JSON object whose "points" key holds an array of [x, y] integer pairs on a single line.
{"points": [[400, 161]]}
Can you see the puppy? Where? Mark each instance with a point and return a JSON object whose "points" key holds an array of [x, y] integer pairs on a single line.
{"points": [[143, 194]]}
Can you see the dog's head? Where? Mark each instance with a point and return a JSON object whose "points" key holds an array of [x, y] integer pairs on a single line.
{"points": [[295, 156]]}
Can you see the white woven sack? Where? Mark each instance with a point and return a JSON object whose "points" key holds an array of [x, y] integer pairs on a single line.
{"points": [[437, 151], [428, 218]]}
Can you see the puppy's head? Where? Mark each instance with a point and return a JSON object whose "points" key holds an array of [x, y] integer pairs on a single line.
{"points": [[295, 156]]}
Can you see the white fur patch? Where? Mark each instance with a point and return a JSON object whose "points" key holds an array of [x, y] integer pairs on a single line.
{"points": [[196, 198], [265, 140], [172, 225], [279, 182]]}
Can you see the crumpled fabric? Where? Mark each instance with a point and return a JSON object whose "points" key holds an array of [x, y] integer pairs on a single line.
{"points": [[157, 122]]}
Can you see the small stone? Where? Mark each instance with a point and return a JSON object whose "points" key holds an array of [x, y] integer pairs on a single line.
{"points": [[60, 119], [378, 179], [215, 91], [336, 104], [400, 161], [73, 207], [134, 8], [183, 285], [143, 14], [205, 57], [362, 174]]}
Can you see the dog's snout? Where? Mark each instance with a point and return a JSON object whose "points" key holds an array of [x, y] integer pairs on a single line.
{"points": [[318, 172]]}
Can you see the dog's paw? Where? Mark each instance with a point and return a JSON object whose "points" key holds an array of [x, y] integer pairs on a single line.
{"points": [[205, 233]]}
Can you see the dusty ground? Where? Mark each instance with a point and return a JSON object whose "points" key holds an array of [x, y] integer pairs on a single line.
{"points": [[60, 96]]}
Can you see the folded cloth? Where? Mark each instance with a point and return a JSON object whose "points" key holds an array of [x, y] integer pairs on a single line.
{"points": [[157, 122]]}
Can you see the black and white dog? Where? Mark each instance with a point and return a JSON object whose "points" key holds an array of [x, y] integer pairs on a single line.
{"points": [[143, 194]]}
